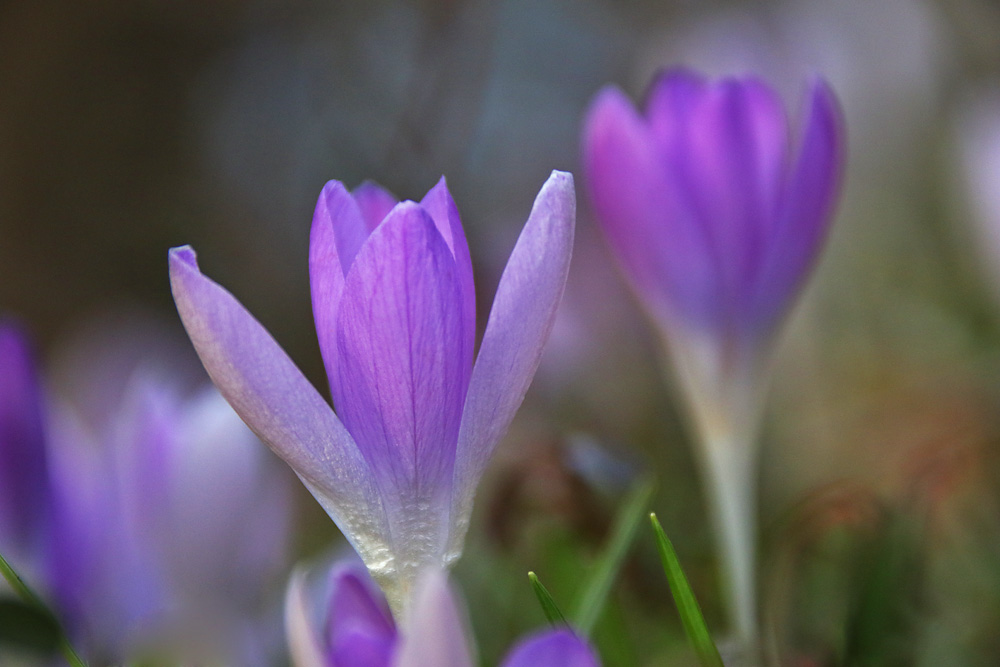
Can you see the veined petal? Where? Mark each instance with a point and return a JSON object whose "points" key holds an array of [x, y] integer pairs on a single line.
{"points": [[338, 231], [664, 252], [439, 203], [552, 648], [807, 206], [435, 633], [273, 397], [400, 384], [519, 323]]}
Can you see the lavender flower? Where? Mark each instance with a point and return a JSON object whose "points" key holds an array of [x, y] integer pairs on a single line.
{"points": [[353, 628], [716, 221], [25, 496], [161, 524], [397, 466], [168, 528]]}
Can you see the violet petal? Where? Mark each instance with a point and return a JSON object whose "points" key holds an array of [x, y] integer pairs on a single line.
{"points": [[273, 397], [25, 496], [807, 208], [637, 201], [439, 203], [551, 648], [338, 231], [375, 202], [400, 384], [522, 315], [436, 629]]}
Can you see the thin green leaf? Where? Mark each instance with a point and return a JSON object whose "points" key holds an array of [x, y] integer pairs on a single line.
{"points": [[595, 593], [549, 606], [24, 591], [687, 605]]}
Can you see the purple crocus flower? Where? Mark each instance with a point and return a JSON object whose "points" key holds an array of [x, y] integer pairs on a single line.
{"points": [[396, 467], [352, 627], [717, 221]]}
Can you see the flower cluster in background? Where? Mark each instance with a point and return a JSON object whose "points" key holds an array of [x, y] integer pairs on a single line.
{"points": [[778, 331]]}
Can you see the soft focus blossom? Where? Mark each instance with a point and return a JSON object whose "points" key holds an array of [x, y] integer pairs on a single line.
{"points": [[716, 216], [164, 522], [396, 467], [25, 497], [169, 528], [351, 627]]}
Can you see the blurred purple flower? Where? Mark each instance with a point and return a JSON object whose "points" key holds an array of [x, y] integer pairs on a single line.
{"points": [[352, 627], [714, 219], [169, 527], [717, 221], [25, 497], [163, 522], [396, 468]]}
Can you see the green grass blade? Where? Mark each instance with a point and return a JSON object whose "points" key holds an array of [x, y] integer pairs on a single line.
{"points": [[687, 605], [549, 606], [626, 525], [30, 598]]}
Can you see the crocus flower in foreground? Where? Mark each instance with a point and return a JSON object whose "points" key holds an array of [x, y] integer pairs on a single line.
{"points": [[716, 221], [352, 627], [396, 467]]}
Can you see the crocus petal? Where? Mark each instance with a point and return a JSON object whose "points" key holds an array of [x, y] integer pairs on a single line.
{"points": [[640, 210], [551, 648], [439, 203], [519, 323], [436, 629], [375, 202], [807, 208], [360, 629], [25, 496], [338, 231], [280, 406], [400, 384], [304, 645], [718, 162]]}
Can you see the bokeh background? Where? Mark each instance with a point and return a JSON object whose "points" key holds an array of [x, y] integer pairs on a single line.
{"points": [[127, 128]]}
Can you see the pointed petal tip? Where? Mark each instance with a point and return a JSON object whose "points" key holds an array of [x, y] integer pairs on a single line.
{"points": [[183, 253], [331, 186], [562, 178]]}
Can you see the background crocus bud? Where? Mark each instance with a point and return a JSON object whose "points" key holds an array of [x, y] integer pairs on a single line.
{"points": [[716, 215]]}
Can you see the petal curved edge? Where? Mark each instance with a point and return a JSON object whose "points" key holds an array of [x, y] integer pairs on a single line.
{"points": [[435, 629], [552, 648], [807, 209], [644, 214], [520, 320], [442, 208], [338, 231], [279, 404]]}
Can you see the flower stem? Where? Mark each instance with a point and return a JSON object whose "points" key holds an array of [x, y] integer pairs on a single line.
{"points": [[731, 473]]}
